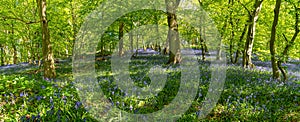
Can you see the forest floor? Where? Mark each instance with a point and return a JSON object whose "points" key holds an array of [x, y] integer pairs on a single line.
{"points": [[248, 95], [292, 67]]}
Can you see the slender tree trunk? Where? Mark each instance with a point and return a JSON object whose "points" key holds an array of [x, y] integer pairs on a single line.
{"points": [[137, 41], [202, 35], [15, 53], [173, 35], [275, 70], [284, 57], [2, 54], [240, 44], [219, 50], [231, 46], [74, 25], [121, 33], [253, 17], [131, 42], [48, 61]]}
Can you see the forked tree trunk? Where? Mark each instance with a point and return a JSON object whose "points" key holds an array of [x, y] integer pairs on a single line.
{"points": [[289, 44], [173, 35], [276, 74], [48, 61], [253, 17]]}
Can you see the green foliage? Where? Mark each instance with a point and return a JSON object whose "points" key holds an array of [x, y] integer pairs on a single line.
{"points": [[248, 95]]}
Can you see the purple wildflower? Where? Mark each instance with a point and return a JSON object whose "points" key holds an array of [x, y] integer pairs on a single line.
{"points": [[21, 94], [130, 107], [39, 98], [77, 104]]}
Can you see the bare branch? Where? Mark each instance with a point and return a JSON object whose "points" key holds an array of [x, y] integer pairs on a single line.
{"points": [[285, 38], [244, 7]]}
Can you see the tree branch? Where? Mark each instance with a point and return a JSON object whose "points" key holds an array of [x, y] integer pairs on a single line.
{"points": [[21, 20], [285, 38], [244, 7]]}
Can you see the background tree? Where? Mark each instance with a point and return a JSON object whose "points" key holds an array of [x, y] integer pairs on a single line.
{"points": [[173, 35], [48, 60], [253, 17], [276, 74], [284, 55]]}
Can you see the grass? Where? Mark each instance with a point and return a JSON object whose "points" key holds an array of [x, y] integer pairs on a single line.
{"points": [[248, 95]]}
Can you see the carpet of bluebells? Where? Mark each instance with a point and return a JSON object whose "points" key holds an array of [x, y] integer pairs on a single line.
{"points": [[248, 95]]}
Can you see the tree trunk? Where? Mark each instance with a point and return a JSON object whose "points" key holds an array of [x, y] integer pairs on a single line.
{"points": [[48, 61], [219, 50], [121, 33], [74, 25], [173, 35], [2, 54], [202, 35], [15, 53], [131, 42], [253, 17], [231, 46], [239, 44], [275, 70], [289, 44]]}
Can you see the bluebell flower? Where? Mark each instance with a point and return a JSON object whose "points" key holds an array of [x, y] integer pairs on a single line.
{"points": [[198, 113], [33, 117], [130, 107], [200, 95], [39, 98], [21, 94], [51, 100], [136, 110], [38, 116], [77, 104]]}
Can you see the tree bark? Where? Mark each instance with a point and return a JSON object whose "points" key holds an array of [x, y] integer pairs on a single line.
{"points": [[131, 42], [253, 17], [239, 44], [121, 33], [173, 35], [275, 69], [48, 61], [202, 35], [231, 46], [74, 25], [2, 54], [15, 52], [284, 57]]}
